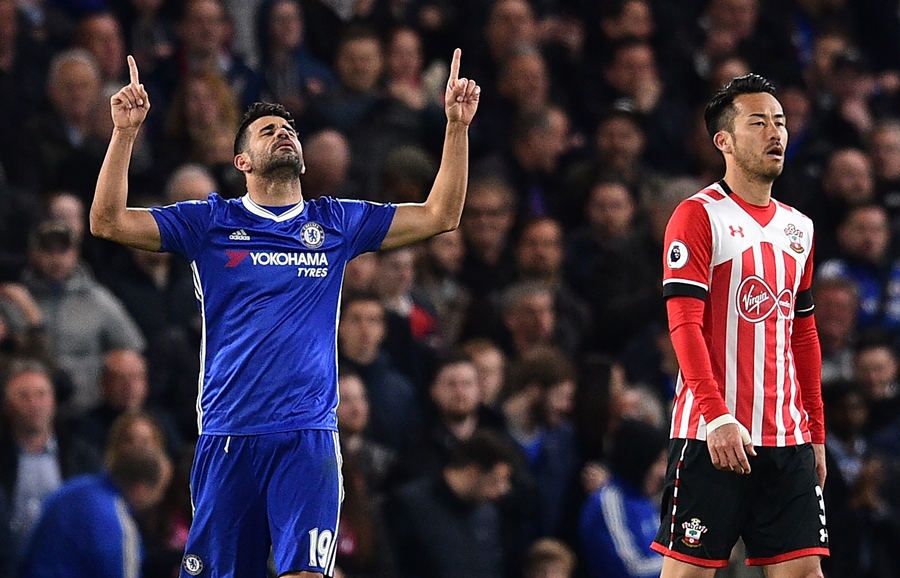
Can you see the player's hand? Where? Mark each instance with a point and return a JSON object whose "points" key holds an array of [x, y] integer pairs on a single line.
{"points": [[821, 472], [727, 450], [129, 106], [461, 96]]}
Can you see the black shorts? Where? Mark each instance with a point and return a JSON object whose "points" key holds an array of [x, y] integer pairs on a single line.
{"points": [[777, 509]]}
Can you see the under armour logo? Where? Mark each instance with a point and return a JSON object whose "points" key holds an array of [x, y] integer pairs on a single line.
{"points": [[735, 231], [823, 535]]}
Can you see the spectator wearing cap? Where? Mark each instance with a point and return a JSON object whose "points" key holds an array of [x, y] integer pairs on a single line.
{"points": [[619, 520], [83, 319]]}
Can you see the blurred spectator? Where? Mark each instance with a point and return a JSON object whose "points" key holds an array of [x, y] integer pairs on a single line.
{"points": [[884, 149], [292, 75], [863, 530], [393, 283], [60, 147], [434, 519], [95, 321], [201, 105], [123, 383], [837, 304], [408, 86], [23, 68], [37, 450], [487, 222], [393, 398], [328, 151], [609, 267], [372, 460], [529, 319], [630, 78], [189, 182], [549, 558], [203, 31], [21, 328], [20, 212], [453, 416], [618, 150], [360, 273], [877, 370], [438, 267], [531, 162], [490, 369], [539, 257], [538, 404], [407, 175], [619, 520], [94, 516], [864, 238], [151, 34], [100, 34]]}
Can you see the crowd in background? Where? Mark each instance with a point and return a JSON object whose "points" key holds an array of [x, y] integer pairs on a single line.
{"points": [[534, 335]]}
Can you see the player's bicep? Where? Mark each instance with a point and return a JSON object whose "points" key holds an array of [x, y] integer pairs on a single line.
{"points": [[688, 252], [138, 229], [412, 222]]}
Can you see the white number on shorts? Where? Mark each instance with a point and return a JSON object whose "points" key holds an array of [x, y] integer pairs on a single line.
{"points": [[319, 547]]}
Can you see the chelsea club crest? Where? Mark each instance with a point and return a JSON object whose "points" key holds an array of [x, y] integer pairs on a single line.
{"points": [[312, 235]]}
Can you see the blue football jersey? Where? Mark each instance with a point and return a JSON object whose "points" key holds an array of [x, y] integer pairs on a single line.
{"points": [[268, 287]]}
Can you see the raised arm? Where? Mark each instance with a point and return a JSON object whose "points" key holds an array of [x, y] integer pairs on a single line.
{"points": [[110, 218], [442, 210]]}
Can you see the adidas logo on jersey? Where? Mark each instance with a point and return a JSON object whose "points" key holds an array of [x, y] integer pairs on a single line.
{"points": [[239, 235]]}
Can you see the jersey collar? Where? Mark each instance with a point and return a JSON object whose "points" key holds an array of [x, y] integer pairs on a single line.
{"points": [[265, 213]]}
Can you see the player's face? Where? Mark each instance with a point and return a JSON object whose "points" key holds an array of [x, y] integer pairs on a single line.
{"points": [[274, 147], [760, 136]]}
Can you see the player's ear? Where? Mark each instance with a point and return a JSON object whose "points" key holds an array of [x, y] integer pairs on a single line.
{"points": [[724, 141], [242, 163]]}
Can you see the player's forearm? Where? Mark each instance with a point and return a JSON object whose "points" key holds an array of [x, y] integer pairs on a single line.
{"points": [[448, 195], [808, 365], [111, 193], [685, 328]]}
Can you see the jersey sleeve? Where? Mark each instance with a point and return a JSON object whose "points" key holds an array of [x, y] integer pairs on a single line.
{"points": [[183, 226], [803, 305], [688, 254], [365, 224]]}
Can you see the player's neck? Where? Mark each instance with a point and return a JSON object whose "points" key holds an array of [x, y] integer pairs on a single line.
{"points": [[753, 191], [274, 193]]}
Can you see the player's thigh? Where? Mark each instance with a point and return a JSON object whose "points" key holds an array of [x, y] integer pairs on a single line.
{"points": [[304, 498], [787, 519], [229, 533], [702, 508], [804, 567], [673, 568]]}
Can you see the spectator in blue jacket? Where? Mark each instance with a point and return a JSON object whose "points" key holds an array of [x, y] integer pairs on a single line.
{"points": [[88, 529], [620, 519]]}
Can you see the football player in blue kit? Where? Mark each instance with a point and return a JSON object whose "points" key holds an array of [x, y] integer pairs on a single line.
{"points": [[267, 271]]}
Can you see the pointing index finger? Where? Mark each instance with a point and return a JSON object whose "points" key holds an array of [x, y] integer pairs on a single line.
{"points": [[454, 66], [133, 71]]}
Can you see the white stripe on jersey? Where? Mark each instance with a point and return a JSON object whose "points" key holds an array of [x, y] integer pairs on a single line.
{"points": [[131, 557], [759, 369], [198, 291], [779, 360]]}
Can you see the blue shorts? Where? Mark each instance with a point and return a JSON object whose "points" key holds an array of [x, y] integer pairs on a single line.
{"points": [[251, 493]]}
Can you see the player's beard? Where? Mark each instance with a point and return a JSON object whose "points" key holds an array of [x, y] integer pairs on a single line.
{"points": [[280, 165], [757, 167]]}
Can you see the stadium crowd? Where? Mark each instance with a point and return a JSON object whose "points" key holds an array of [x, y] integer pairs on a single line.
{"points": [[534, 336]]}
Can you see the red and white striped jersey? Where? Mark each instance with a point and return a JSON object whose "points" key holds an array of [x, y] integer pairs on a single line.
{"points": [[753, 267]]}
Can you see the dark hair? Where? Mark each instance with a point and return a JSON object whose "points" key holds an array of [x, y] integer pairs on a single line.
{"points": [[135, 466], [636, 445], [258, 110], [719, 112], [485, 450], [451, 357]]}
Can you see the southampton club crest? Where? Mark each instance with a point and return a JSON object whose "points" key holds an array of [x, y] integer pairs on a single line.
{"points": [[794, 235], [693, 530], [312, 235]]}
